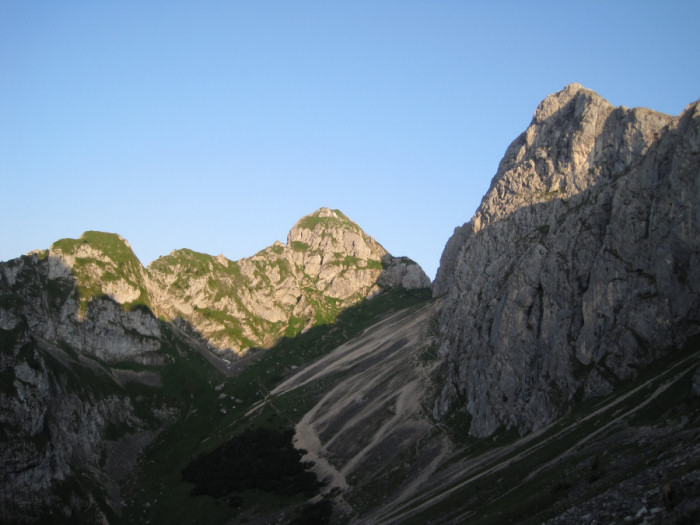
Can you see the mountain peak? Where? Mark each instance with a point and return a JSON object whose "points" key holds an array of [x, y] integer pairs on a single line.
{"points": [[556, 102], [576, 139], [111, 244], [326, 218], [328, 263], [101, 264], [571, 261], [326, 212]]}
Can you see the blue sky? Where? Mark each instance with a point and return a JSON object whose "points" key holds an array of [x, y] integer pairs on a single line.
{"points": [[216, 125]]}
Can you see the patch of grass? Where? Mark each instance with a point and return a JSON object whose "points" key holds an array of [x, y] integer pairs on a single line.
{"points": [[217, 315], [192, 263], [340, 220], [110, 244], [373, 264], [142, 303], [299, 246], [294, 326], [91, 273], [284, 268]]}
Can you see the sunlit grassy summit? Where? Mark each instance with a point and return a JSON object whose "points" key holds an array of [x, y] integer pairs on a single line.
{"points": [[327, 264]]}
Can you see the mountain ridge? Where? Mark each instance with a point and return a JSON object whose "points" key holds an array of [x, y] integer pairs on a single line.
{"points": [[89, 376], [327, 264], [551, 375]]}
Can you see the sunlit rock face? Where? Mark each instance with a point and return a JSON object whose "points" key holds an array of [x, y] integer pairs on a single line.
{"points": [[581, 265], [327, 264]]}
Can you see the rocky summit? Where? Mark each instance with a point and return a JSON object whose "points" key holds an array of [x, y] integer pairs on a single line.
{"points": [[549, 374], [328, 264], [580, 267]]}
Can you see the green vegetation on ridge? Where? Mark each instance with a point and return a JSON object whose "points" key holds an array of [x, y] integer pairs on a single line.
{"points": [[91, 273], [310, 222]]}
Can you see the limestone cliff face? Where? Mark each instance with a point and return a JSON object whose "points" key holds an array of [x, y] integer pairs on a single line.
{"points": [[580, 266], [57, 398], [328, 263], [87, 293]]}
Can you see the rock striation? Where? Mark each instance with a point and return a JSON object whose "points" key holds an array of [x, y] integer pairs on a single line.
{"points": [[580, 267]]}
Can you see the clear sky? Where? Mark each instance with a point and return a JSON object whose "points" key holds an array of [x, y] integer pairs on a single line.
{"points": [[215, 125]]}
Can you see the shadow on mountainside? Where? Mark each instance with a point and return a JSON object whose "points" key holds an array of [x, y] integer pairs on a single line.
{"points": [[251, 379], [557, 312], [189, 399], [532, 287]]}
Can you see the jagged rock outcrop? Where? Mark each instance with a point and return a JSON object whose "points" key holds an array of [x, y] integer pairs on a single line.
{"points": [[581, 265], [84, 294], [402, 271], [54, 438], [328, 263], [57, 399]]}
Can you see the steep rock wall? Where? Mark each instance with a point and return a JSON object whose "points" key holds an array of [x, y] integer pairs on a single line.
{"points": [[579, 267], [57, 399]]}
